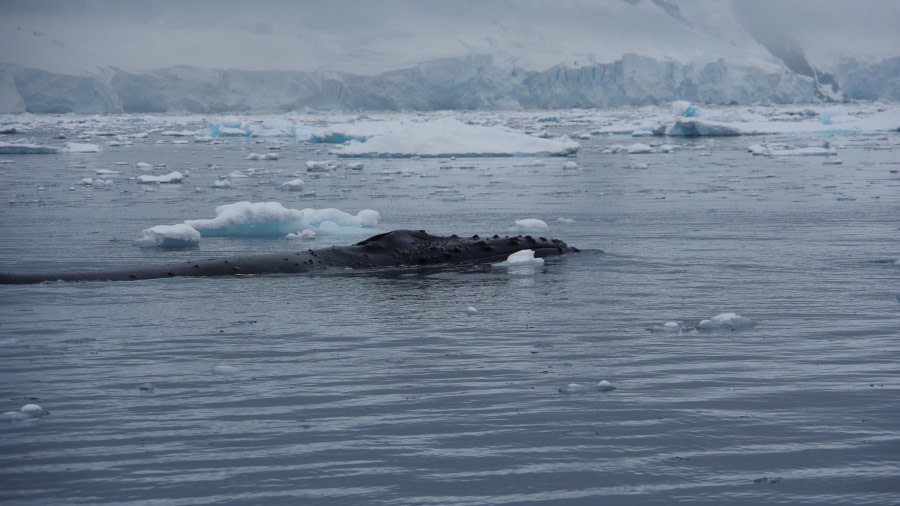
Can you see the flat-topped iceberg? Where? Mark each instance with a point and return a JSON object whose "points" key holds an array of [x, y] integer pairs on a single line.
{"points": [[451, 137], [271, 219]]}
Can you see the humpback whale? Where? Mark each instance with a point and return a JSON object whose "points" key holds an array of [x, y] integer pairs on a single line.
{"points": [[392, 249]]}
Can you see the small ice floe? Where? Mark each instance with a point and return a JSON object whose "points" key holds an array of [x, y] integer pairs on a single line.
{"points": [[169, 237], [237, 174], [471, 310], [638, 148], [536, 163], [24, 413], [521, 258], [143, 166], [221, 183], [106, 172], [529, 225], [355, 166], [225, 370], [581, 388], [172, 177], [570, 165], [322, 165], [787, 150], [673, 327], [726, 321], [262, 156], [836, 161], [294, 185], [306, 234], [81, 147], [25, 148], [638, 166], [565, 220], [95, 182]]}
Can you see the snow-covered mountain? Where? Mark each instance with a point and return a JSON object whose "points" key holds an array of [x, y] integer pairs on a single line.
{"points": [[161, 56]]}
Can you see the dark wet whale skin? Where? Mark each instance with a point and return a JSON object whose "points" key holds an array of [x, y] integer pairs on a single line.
{"points": [[392, 249]]}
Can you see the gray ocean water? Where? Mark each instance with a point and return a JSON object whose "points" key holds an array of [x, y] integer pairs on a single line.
{"points": [[379, 387]]}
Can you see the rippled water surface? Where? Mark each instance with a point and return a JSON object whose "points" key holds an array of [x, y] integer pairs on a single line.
{"points": [[379, 388]]}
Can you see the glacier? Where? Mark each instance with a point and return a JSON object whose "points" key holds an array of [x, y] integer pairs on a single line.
{"points": [[472, 82]]}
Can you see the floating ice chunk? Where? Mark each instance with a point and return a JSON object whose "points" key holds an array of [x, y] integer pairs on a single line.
{"points": [[169, 237], [580, 388], [25, 412], [536, 163], [529, 225], [786, 150], [306, 234], [565, 220], [95, 182], [700, 128], [321, 166], [673, 327], [178, 133], [642, 133], [570, 165], [524, 257], [221, 183], [172, 177], [726, 321], [638, 148], [225, 370], [638, 166], [24, 148], [294, 185], [836, 161], [271, 219], [237, 174], [471, 310], [262, 156], [144, 166], [106, 172], [81, 147], [355, 166]]}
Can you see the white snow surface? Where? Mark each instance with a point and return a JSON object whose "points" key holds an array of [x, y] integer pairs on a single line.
{"points": [[169, 237], [272, 219], [451, 137]]}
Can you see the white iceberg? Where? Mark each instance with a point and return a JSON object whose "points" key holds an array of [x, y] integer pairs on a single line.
{"points": [[271, 219], [521, 258], [169, 237], [529, 225], [172, 177], [262, 156], [726, 321]]}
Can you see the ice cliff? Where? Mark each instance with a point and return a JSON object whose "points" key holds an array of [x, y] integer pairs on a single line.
{"points": [[470, 82]]}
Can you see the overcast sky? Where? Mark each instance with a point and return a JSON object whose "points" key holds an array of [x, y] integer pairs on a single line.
{"points": [[373, 36]]}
